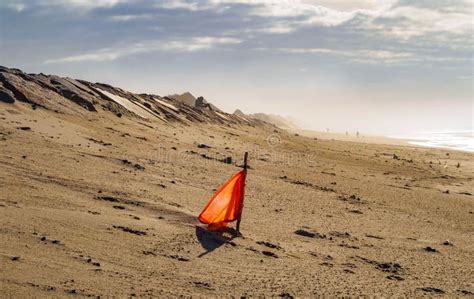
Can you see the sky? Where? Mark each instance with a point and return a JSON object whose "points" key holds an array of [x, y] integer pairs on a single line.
{"points": [[378, 67]]}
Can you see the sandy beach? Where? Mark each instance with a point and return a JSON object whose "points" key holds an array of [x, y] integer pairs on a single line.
{"points": [[97, 205], [236, 149]]}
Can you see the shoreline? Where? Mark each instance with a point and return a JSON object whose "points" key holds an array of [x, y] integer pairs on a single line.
{"points": [[420, 143], [377, 139]]}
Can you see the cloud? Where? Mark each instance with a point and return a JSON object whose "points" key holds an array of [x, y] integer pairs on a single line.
{"points": [[129, 18], [363, 56], [278, 28], [179, 4], [20, 5], [408, 18], [405, 19], [410, 21], [110, 54], [405, 30], [300, 12], [368, 56]]}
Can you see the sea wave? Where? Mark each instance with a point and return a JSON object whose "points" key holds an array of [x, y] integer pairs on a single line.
{"points": [[460, 140]]}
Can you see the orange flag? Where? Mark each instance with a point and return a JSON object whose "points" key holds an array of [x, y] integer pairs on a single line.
{"points": [[226, 204]]}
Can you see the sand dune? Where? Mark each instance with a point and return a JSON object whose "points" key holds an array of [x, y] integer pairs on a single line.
{"points": [[92, 204]]}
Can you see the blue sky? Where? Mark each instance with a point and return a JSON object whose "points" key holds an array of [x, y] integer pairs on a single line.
{"points": [[392, 66]]}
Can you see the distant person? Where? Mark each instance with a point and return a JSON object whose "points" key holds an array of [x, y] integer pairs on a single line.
{"points": [[327, 130], [357, 134], [347, 133]]}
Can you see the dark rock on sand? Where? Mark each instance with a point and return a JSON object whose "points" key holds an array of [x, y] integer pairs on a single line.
{"points": [[130, 230], [44, 239], [447, 243], [269, 253], [305, 233], [374, 237], [136, 165], [202, 145], [466, 292], [307, 184], [139, 167], [227, 160], [353, 199], [394, 268], [108, 198], [345, 245], [432, 290], [179, 258], [344, 235], [269, 245], [389, 267], [285, 295], [201, 284], [430, 249], [395, 277]]}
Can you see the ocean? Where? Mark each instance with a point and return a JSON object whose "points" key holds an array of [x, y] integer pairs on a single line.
{"points": [[460, 140]]}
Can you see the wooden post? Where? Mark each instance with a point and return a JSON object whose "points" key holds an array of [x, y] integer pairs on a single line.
{"points": [[245, 168]]}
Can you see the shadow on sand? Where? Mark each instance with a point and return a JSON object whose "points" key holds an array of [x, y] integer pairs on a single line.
{"points": [[211, 240]]}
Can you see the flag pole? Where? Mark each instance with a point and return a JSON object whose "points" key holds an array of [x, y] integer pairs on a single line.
{"points": [[240, 216]]}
